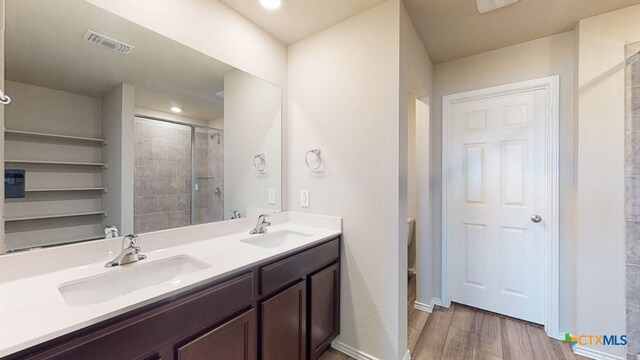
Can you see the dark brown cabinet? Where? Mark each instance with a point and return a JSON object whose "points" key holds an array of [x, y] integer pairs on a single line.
{"points": [[235, 340], [283, 309], [324, 308], [284, 324]]}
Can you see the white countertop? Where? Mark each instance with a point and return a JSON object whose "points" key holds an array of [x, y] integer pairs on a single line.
{"points": [[33, 311]]}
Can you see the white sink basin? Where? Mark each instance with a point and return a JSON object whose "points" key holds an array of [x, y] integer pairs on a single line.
{"points": [[271, 240], [127, 279]]}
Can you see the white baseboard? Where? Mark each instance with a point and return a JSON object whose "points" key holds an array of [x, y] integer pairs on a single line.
{"points": [[407, 355], [423, 307], [427, 307], [354, 353], [594, 354], [360, 355], [559, 336]]}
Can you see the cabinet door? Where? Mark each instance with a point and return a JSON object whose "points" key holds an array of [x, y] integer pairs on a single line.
{"points": [[284, 325], [324, 308], [234, 340]]}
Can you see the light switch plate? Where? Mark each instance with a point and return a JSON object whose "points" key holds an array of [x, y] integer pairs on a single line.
{"points": [[272, 196], [304, 198]]}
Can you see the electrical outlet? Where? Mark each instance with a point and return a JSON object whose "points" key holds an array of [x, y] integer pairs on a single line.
{"points": [[304, 198], [272, 196]]}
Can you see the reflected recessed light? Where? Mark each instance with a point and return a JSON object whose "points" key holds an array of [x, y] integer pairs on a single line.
{"points": [[176, 109], [271, 4], [485, 6]]}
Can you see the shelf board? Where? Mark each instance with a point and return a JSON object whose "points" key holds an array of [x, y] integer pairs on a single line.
{"points": [[86, 238], [68, 189], [56, 216], [58, 243], [56, 136], [47, 162]]}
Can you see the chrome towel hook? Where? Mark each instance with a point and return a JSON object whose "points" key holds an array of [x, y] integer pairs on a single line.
{"points": [[318, 155], [4, 98], [260, 163]]}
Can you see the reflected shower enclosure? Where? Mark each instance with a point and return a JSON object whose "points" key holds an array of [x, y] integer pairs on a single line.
{"points": [[179, 174]]}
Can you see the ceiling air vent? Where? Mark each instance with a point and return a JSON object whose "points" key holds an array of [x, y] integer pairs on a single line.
{"points": [[107, 42]]}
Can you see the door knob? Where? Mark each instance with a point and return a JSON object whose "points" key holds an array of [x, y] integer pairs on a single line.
{"points": [[536, 218]]}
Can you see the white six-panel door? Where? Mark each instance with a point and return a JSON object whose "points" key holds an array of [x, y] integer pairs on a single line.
{"points": [[498, 183]]}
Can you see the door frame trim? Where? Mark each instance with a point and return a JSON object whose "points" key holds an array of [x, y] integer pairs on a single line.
{"points": [[551, 86]]}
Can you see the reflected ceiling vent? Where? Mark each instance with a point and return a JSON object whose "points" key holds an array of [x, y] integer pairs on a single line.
{"points": [[485, 6], [107, 42]]}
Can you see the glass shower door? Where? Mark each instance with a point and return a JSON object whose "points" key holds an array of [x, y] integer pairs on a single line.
{"points": [[208, 187]]}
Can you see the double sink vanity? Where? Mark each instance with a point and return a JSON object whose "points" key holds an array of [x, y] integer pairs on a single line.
{"points": [[117, 129], [209, 291]]}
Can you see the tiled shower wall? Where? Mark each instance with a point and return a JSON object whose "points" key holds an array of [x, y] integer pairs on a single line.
{"points": [[162, 176], [632, 211]]}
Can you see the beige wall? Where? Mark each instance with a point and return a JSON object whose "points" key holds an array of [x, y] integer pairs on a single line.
{"points": [[600, 250], [118, 154], [553, 55], [39, 109], [253, 113], [416, 77], [349, 109], [216, 123]]}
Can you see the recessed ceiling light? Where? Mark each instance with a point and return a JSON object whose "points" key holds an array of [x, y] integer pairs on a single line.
{"points": [[485, 6], [176, 109], [271, 4]]}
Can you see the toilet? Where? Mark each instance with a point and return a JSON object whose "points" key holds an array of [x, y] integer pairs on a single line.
{"points": [[411, 226]]}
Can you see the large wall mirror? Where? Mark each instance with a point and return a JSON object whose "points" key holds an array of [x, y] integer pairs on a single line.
{"points": [[115, 126]]}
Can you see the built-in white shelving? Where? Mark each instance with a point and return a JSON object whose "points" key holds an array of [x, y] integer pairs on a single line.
{"points": [[56, 137], [64, 188], [71, 241], [56, 216], [68, 189], [51, 162]]}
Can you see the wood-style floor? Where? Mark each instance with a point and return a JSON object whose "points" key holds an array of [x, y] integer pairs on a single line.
{"points": [[462, 332]]}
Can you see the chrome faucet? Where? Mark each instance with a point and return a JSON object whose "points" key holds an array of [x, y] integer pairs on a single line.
{"points": [[261, 226], [111, 231], [235, 214], [130, 252]]}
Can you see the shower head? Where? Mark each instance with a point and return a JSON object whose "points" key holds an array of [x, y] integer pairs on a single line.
{"points": [[215, 136]]}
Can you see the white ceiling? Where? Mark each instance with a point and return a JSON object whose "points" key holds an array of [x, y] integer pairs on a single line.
{"points": [[449, 29], [44, 47], [452, 29], [297, 19]]}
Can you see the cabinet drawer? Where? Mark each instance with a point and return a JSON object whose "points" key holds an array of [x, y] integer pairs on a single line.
{"points": [[276, 275], [139, 335], [234, 340]]}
